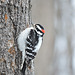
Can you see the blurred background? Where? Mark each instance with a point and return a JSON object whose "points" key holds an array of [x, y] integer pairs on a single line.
{"points": [[57, 54]]}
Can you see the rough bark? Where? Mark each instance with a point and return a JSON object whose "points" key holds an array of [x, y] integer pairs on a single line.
{"points": [[15, 16]]}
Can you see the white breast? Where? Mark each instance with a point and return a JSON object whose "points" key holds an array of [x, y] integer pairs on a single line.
{"points": [[22, 38]]}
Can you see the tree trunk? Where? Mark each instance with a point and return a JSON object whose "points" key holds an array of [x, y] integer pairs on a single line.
{"points": [[15, 16]]}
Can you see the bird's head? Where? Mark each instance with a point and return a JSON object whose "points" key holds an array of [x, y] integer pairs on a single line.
{"points": [[39, 29]]}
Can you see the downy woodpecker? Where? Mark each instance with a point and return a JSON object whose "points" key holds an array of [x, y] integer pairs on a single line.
{"points": [[29, 42]]}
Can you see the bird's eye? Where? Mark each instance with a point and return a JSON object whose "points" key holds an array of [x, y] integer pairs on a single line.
{"points": [[37, 29]]}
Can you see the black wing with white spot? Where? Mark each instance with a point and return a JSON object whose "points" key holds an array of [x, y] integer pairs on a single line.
{"points": [[31, 42]]}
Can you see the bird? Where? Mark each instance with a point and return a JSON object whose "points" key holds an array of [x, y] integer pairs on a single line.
{"points": [[29, 43]]}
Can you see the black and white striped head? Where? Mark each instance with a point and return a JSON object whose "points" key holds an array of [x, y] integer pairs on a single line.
{"points": [[39, 29]]}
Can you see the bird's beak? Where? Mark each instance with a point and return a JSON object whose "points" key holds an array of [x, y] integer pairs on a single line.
{"points": [[33, 25]]}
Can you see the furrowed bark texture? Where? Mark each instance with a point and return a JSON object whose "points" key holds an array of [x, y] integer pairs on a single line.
{"points": [[15, 16]]}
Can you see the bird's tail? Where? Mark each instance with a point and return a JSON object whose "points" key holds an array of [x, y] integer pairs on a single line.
{"points": [[24, 68]]}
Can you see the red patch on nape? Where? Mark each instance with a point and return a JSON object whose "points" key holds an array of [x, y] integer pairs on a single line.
{"points": [[43, 31]]}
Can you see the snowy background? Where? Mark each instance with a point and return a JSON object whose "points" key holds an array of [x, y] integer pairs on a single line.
{"points": [[57, 54]]}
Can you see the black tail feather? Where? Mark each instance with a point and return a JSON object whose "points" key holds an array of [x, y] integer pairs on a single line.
{"points": [[24, 68]]}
